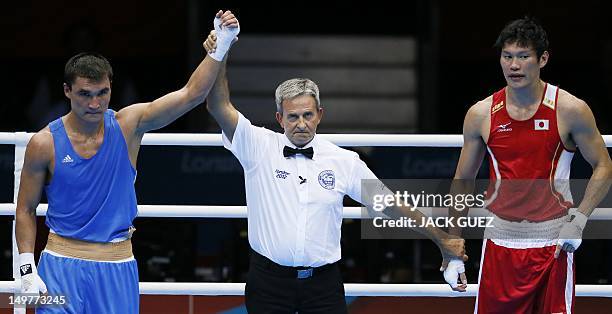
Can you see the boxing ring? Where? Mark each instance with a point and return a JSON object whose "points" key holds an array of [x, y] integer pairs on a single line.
{"points": [[20, 140]]}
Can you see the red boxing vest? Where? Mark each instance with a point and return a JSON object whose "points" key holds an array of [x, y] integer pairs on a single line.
{"points": [[529, 166]]}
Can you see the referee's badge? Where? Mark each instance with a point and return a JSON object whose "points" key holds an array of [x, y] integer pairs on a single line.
{"points": [[327, 179], [540, 124]]}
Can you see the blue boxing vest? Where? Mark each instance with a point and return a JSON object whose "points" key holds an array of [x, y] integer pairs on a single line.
{"points": [[92, 199]]}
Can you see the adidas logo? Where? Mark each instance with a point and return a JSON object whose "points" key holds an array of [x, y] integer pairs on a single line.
{"points": [[25, 269], [67, 159]]}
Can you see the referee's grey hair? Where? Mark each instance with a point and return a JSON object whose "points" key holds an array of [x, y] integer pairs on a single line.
{"points": [[292, 88]]}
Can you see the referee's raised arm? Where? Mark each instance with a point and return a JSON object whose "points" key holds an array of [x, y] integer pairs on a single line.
{"points": [[218, 101]]}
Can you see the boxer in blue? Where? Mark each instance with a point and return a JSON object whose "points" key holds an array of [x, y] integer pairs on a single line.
{"points": [[86, 163]]}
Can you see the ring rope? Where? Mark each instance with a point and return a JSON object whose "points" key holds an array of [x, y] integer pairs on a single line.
{"points": [[351, 289], [212, 211], [214, 139]]}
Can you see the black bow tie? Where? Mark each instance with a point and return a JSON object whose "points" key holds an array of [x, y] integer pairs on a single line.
{"points": [[307, 152]]}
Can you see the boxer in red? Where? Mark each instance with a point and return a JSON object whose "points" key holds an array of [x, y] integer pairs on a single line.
{"points": [[530, 130]]}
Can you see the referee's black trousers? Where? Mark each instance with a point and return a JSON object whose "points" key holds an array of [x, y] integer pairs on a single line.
{"points": [[272, 288]]}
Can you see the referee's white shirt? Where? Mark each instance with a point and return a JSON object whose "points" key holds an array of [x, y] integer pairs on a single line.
{"points": [[293, 223]]}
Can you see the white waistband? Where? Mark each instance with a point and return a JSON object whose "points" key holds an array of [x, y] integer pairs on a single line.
{"points": [[524, 234], [82, 259]]}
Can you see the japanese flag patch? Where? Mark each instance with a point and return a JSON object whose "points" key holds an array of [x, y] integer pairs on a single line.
{"points": [[540, 125]]}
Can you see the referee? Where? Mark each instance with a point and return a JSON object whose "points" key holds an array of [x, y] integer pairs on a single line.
{"points": [[295, 183]]}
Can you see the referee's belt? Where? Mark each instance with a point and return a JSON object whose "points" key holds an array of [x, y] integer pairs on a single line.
{"points": [[300, 272]]}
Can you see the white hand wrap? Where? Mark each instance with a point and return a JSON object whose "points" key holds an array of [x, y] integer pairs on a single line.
{"points": [[225, 37], [571, 233], [30, 281], [452, 271]]}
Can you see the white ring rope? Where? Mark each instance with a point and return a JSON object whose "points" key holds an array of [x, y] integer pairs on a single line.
{"points": [[211, 211], [20, 139], [214, 139], [351, 289]]}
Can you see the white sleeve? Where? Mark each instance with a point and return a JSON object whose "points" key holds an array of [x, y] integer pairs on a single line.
{"points": [[248, 143], [364, 187]]}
